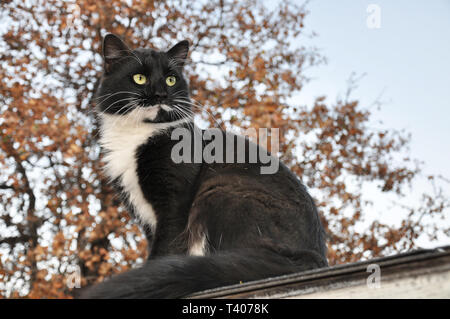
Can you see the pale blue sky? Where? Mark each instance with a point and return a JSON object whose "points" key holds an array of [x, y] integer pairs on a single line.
{"points": [[407, 59]]}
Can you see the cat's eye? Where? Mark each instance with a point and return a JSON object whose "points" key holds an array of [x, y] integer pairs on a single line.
{"points": [[140, 79], [171, 80]]}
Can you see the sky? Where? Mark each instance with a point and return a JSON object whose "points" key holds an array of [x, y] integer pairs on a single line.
{"points": [[403, 50], [406, 61]]}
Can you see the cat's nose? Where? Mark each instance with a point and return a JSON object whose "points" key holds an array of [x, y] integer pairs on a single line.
{"points": [[160, 96]]}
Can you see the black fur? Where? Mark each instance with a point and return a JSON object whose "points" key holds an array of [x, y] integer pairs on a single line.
{"points": [[177, 276], [256, 225]]}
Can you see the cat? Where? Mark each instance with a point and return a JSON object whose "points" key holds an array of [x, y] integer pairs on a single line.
{"points": [[207, 224]]}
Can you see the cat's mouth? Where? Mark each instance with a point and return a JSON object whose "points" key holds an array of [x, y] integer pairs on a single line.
{"points": [[165, 107], [157, 113], [150, 111]]}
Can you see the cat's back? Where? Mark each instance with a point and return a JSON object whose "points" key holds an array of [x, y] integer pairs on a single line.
{"points": [[242, 207]]}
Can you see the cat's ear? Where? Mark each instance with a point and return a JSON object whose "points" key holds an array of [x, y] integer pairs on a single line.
{"points": [[114, 49], [179, 52]]}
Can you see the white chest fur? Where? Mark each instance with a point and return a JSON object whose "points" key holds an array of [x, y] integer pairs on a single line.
{"points": [[120, 137]]}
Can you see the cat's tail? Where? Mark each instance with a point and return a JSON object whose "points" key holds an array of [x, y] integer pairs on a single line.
{"points": [[180, 276]]}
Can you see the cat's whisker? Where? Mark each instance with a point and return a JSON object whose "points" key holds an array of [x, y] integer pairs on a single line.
{"points": [[140, 115], [113, 94], [121, 118], [199, 107], [126, 105], [125, 99], [101, 96], [185, 114], [177, 114], [181, 102], [126, 118], [137, 116], [179, 92], [185, 110]]}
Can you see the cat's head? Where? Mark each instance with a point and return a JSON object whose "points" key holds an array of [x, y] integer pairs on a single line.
{"points": [[144, 85]]}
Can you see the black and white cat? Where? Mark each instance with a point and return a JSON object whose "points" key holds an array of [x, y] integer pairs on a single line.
{"points": [[208, 224]]}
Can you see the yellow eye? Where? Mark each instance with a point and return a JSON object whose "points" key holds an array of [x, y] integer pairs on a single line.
{"points": [[139, 79], [171, 80]]}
